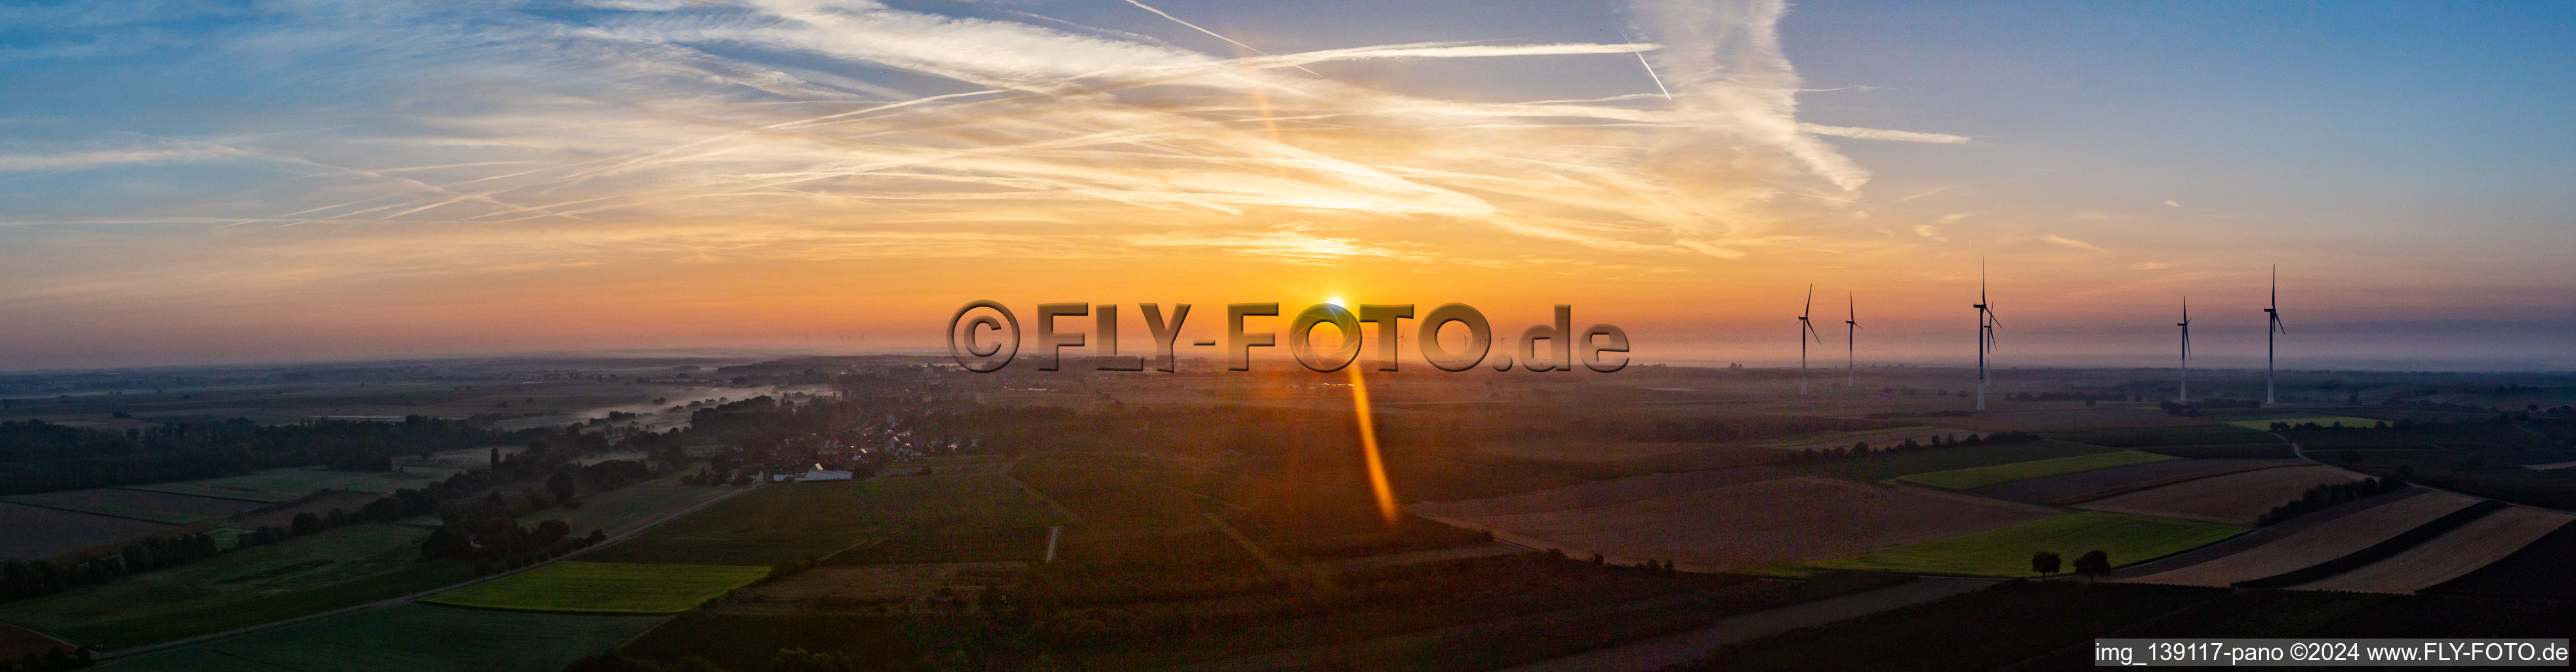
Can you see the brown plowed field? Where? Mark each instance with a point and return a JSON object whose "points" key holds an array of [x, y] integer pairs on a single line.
{"points": [[2449, 556], [1758, 523], [2235, 499], [2101, 483], [2334, 539], [1596, 493]]}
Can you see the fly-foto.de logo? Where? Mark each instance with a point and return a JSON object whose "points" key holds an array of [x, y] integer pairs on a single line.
{"points": [[1542, 347]]}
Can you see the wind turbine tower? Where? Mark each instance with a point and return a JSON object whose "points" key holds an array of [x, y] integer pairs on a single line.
{"points": [[1851, 345], [1805, 330], [2274, 314], [1986, 324], [2185, 396]]}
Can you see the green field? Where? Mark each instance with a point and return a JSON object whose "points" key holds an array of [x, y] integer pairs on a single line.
{"points": [[2126, 538], [1891, 465], [407, 638], [795, 521], [2321, 420], [285, 483], [337, 568], [618, 509], [1978, 477], [604, 587]]}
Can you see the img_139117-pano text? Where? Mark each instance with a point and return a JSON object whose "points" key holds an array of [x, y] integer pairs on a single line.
{"points": [[1542, 347]]}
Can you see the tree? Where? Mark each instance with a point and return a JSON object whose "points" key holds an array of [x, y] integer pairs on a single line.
{"points": [[560, 485], [2045, 562], [496, 455], [2093, 564]]}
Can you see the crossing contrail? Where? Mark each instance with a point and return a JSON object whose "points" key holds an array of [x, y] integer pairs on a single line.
{"points": [[1211, 33]]}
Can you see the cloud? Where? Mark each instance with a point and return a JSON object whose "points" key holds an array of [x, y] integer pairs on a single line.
{"points": [[814, 128], [2171, 202], [1930, 231], [2073, 243]]}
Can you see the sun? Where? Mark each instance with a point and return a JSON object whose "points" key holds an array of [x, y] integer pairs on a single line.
{"points": [[1336, 301]]}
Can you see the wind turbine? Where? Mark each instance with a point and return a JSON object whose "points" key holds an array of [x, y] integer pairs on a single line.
{"points": [[1806, 329], [2275, 318], [1851, 344], [1986, 324], [2185, 396]]}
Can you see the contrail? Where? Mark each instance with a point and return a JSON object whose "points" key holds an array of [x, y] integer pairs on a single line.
{"points": [[1211, 33], [1650, 67]]}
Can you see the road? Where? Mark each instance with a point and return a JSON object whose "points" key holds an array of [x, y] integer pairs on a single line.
{"points": [[621, 536]]}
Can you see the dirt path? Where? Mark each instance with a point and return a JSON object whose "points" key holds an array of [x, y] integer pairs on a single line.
{"points": [[1657, 653]]}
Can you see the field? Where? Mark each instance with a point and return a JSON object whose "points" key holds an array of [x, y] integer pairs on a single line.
{"points": [[17, 642], [2234, 499], [2006, 552], [2100, 483], [604, 587], [2321, 420], [2069, 419], [618, 509], [1875, 437], [1887, 466], [150, 507], [2150, 437], [406, 638], [2538, 570], [2326, 541], [1755, 524], [748, 642], [348, 565], [1010, 545], [1989, 629], [860, 589], [39, 533], [2451, 555], [1587, 449], [285, 483], [797, 521], [1978, 477], [1598, 493]]}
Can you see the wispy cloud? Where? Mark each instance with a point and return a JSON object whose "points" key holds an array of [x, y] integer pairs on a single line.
{"points": [[2073, 243]]}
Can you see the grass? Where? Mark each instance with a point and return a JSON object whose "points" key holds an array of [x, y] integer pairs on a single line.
{"points": [[1891, 465], [796, 521], [292, 577], [2321, 420], [604, 587], [407, 638], [2127, 538], [617, 509], [1978, 477]]}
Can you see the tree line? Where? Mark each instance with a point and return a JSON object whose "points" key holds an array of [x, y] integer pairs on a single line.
{"points": [[37, 456]]}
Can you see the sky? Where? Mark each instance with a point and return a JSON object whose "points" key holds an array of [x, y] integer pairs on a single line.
{"points": [[218, 182]]}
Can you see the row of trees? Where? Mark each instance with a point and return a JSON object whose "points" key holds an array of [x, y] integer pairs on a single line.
{"points": [[2331, 494], [37, 456], [2091, 563], [1863, 449]]}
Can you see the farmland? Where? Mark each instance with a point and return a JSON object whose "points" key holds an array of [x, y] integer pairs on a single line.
{"points": [[2100, 483], [286, 483], [1598, 493], [2006, 552], [406, 638], [636, 504], [1757, 523], [2538, 570], [152, 507], [1886, 466], [1978, 477], [2234, 499], [861, 589], [797, 521], [2326, 541], [344, 566], [2451, 555], [36, 533], [603, 587], [2329, 421]]}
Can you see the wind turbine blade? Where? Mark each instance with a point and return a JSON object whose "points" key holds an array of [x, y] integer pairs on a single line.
{"points": [[1811, 302]]}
